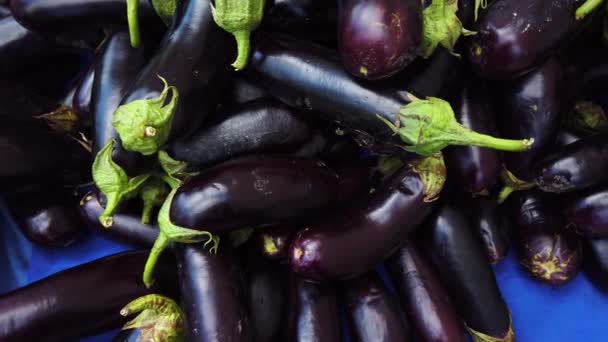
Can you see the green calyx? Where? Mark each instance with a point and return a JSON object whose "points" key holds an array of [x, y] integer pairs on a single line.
{"points": [[152, 193], [511, 184], [239, 18], [165, 9], [480, 4], [586, 8], [144, 125], [432, 172], [169, 233], [588, 116], [239, 237], [133, 21], [427, 126], [158, 318], [63, 119], [113, 182], [441, 27], [387, 165]]}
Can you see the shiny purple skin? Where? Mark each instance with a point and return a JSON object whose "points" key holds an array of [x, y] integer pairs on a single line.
{"points": [[549, 251], [424, 298], [313, 313], [515, 36], [588, 212], [531, 108], [81, 102], [355, 239], [596, 262], [254, 191], [473, 168], [566, 137], [378, 38], [314, 20], [576, 166], [373, 312]]}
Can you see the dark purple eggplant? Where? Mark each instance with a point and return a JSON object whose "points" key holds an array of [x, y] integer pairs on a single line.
{"points": [[515, 36], [81, 102], [565, 137], [47, 216], [313, 313], [241, 91], [354, 240], [378, 38], [314, 20], [596, 262], [310, 77], [549, 252], [424, 298], [212, 295], [588, 212], [22, 103], [4, 11], [126, 227], [91, 294], [458, 255], [373, 312], [474, 169], [261, 126], [273, 242], [576, 166]]}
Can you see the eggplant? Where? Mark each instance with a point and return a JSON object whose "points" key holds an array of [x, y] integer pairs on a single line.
{"points": [[378, 38], [353, 240], [374, 315], [292, 70], [81, 102], [212, 295], [241, 91], [46, 216], [516, 36], [587, 212], [565, 137], [596, 262], [4, 11], [126, 227], [260, 126], [475, 169], [273, 242], [550, 252], [314, 20], [313, 313], [91, 294], [576, 166], [424, 298], [457, 253], [22, 103]]}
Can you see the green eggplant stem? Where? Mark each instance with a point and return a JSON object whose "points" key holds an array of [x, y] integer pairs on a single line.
{"points": [[482, 140], [133, 20], [586, 8], [161, 243], [243, 45]]}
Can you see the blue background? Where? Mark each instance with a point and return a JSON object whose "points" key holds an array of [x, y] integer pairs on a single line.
{"points": [[573, 312]]}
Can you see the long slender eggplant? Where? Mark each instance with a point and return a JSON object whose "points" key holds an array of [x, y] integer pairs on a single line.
{"points": [[588, 212], [212, 295], [81, 102], [261, 126], [378, 38], [457, 253], [475, 169], [596, 262], [125, 227], [312, 312], [91, 294], [424, 298], [374, 315], [314, 20], [576, 166], [354, 240], [515, 36], [309, 77], [273, 242], [550, 252]]}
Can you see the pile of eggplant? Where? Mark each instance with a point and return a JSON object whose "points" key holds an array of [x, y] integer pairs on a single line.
{"points": [[280, 165]]}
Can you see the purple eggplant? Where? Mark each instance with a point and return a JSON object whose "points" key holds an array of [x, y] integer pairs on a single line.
{"points": [[374, 315], [212, 295], [241, 91], [550, 252], [4, 11], [587, 212], [22, 103], [273, 242], [424, 298], [494, 225], [515, 36], [596, 262], [576, 166], [353, 240], [313, 313], [458, 255], [81, 101], [314, 20], [378, 38], [91, 294], [566, 137]]}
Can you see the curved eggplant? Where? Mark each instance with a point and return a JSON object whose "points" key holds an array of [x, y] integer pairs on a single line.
{"points": [[596, 262], [354, 240], [374, 315], [273, 242], [378, 38], [588, 212], [424, 298]]}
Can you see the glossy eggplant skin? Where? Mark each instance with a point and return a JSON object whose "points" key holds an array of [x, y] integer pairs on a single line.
{"points": [[515, 36], [373, 312], [587, 212], [254, 191], [81, 102], [566, 137], [311, 78], [241, 91], [313, 313], [596, 262], [314, 20], [262, 126], [194, 56], [457, 253], [4, 11], [273, 242], [576, 166], [90, 295], [353, 240], [424, 298], [474, 169], [531, 107], [371, 50], [212, 295], [126, 227]]}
